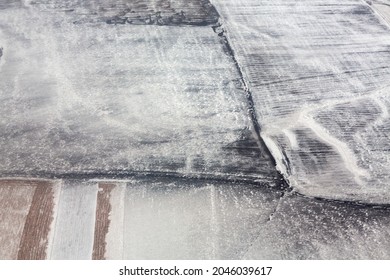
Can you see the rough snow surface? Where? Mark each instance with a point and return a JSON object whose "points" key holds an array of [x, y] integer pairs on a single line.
{"points": [[104, 99], [319, 74], [151, 92], [140, 12]]}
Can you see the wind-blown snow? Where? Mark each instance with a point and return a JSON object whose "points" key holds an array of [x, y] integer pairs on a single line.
{"points": [[104, 99], [89, 89], [319, 74]]}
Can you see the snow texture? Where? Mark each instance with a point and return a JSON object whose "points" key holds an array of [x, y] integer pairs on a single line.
{"points": [[158, 93], [75, 222], [139, 12], [105, 99], [382, 7], [186, 219], [170, 218], [304, 228], [319, 76]]}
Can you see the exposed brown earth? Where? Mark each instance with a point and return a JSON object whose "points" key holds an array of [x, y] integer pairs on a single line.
{"points": [[15, 200], [103, 209], [34, 241], [27, 213]]}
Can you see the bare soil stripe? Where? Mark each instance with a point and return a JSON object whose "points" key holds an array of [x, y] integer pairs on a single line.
{"points": [[15, 201], [34, 241], [103, 209]]}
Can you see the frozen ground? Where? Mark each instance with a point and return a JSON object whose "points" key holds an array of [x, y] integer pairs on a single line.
{"points": [[170, 129]]}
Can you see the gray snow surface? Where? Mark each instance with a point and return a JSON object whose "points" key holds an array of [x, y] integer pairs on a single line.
{"points": [[319, 73], [215, 106], [98, 98]]}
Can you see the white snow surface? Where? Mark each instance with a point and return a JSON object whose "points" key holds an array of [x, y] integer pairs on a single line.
{"points": [[161, 218], [319, 73], [73, 235]]}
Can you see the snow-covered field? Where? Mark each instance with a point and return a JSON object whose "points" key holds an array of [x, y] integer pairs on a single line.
{"points": [[158, 125], [319, 74], [107, 99], [172, 218]]}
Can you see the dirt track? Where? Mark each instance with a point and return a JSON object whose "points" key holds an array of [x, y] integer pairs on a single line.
{"points": [[35, 236], [103, 210], [16, 197]]}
